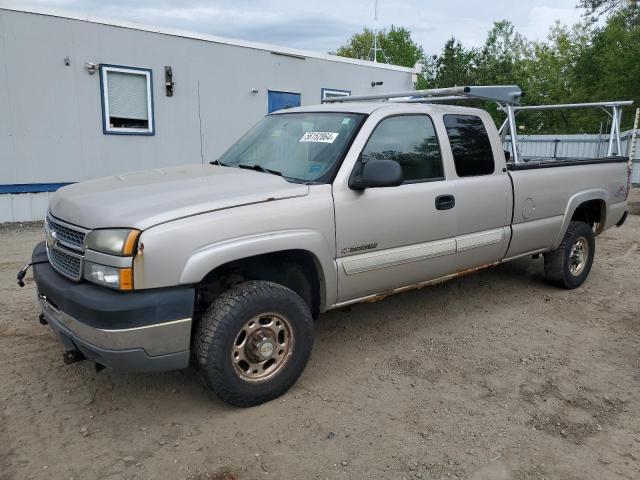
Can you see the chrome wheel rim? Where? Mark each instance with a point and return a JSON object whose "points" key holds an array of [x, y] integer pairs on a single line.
{"points": [[578, 256], [262, 347]]}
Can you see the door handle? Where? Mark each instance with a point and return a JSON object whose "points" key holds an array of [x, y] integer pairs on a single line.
{"points": [[445, 202]]}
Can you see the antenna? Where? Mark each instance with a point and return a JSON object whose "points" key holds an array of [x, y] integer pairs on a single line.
{"points": [[374, 46], [375, 31]]}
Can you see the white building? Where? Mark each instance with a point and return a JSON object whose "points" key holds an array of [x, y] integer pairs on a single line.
{"points": [[83, 97]]}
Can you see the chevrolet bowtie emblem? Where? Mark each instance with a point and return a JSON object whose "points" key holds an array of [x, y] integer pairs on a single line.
{"points": [[51, 238]]}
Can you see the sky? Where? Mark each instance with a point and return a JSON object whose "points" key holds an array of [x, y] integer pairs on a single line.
{"points": [[325, 25]]}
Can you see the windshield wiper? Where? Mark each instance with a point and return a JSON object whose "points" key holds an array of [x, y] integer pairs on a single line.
{"points": [[218, 162], [260, 168]]}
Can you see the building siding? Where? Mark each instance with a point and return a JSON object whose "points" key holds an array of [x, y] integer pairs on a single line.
{"points": [[51, 123]]}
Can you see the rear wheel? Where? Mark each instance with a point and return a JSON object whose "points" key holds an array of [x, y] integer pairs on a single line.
{"points": [[253, 342], [570, 264]]}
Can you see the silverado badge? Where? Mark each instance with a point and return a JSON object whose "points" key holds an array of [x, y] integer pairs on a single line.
{"points": [[359, 248]]}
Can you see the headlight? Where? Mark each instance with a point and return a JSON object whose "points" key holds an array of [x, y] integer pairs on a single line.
{"points": [[117, 278], [117, 241]]}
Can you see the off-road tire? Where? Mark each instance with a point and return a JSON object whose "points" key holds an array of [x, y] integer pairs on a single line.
{"points": [[218, 328], [557, 266]]}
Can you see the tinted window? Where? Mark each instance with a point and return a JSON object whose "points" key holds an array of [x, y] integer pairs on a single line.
{"points": [[411, 141], [470, 145]]}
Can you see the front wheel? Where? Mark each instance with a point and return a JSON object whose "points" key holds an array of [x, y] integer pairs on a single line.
{"points": [[570, 264], [253, 342]]}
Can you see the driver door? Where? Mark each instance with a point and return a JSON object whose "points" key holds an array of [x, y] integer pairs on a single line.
{"points": [[393, 237]]}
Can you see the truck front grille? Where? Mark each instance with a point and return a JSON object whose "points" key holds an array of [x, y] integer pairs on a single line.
{"points": [[67, 234], [67, 263], [65, 247]]}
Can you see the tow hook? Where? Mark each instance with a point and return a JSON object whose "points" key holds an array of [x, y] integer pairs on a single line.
{"points": [[73, 356], [42, 319]]}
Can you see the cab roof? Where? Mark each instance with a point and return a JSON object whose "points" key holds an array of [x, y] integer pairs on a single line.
{"points": [[370, 107]]}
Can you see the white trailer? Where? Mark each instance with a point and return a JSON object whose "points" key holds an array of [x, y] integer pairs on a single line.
{"points": [[84, 97]]}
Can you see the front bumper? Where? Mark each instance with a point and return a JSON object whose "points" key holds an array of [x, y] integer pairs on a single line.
{"points": [[139, 331]]}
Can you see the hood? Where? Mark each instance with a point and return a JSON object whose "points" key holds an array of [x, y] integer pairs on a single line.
{"points": [[143, 199]]}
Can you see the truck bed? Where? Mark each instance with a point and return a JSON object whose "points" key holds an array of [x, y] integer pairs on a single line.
{"points": [[544, 198]]}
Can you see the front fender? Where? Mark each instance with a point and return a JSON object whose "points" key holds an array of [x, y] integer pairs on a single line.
{"points": [[207, 258], [574, 202]]}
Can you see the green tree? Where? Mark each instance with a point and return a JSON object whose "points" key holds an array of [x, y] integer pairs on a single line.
{"points": [[609, 69], [456, 65], [591, 61], [548, 76], [595, 9], [398, 48], [358, 46], [501, 58], [427, 78]]}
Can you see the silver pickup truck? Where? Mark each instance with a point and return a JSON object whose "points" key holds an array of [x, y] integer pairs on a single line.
{"points": [[225, 265]]}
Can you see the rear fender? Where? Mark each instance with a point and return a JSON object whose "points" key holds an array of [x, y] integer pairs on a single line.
{"points": [[574, 202]]}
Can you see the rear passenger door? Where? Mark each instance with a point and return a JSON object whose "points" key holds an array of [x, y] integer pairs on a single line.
{"points": [[482, 192]]}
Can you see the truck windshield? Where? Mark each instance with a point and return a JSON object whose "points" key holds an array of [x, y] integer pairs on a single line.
{"points": [[303, 147]]}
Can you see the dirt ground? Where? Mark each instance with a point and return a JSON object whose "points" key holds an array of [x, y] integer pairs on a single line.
{"points": [[492, 376]]}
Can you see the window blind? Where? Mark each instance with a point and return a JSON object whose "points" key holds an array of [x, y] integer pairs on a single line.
{"points": [[127, 95]]}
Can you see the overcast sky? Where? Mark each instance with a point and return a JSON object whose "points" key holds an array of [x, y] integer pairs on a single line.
{"points": [[325, 25]]}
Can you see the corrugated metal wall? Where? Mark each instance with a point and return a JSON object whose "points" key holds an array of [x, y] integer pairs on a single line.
{"points": [[23, 207]]}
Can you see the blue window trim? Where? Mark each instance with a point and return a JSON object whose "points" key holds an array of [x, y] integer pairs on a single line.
{"points": [[322, 90], [32, 187], [280, 91], [152, 131]]}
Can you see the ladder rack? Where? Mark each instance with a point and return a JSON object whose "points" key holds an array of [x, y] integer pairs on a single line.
{"points": [[613, 109], [503, 94], [508, 99]]}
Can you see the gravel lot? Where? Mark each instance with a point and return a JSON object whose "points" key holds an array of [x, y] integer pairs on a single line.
{"points": [[492, 376]]}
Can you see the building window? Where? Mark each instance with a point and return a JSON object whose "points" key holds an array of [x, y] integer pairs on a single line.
{"points": [[470, 145], [280, 100], [332, 93], [411, 141], [127, 100]]}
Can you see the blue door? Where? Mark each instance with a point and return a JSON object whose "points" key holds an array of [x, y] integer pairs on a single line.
{"points": [[280, 100]]}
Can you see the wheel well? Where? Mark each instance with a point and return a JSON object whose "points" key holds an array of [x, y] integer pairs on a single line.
{"points": [[294, 269], [591, 212]]}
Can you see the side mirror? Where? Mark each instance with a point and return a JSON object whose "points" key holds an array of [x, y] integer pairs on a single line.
{"points": [[376, 173]]}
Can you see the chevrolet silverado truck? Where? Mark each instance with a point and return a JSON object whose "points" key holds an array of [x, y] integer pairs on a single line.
{"points": [[225, 265]]}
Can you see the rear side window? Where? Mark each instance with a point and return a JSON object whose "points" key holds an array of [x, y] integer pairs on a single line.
{"points": [[411, 141], [470, 145]]}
